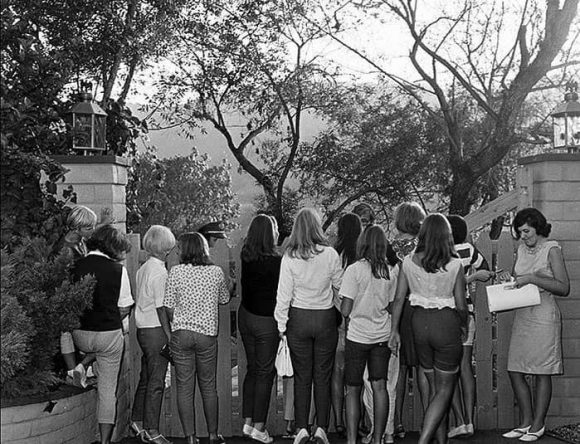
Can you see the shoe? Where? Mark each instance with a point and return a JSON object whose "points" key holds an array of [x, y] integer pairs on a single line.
{"points": [[261, 436], [301, 437], [516, 433], [247, 430], [368, 438], [400, 431], [320, 436], [140, 432], [388, 438], [341, 431], [458, 431], [219, 440], [191, 439], [79, 376], [470, 429], [533, 436], [159, 439], [90, 373], [290, 434]]}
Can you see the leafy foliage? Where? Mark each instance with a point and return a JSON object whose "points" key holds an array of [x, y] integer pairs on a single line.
{"points": [[181, 193], [38, 303]]}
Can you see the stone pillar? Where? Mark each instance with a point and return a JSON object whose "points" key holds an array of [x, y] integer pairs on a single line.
{"points": [[99, 182], [552, 185]]}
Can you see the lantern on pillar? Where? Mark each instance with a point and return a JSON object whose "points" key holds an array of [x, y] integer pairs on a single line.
{"points": [[566, 120], [89, 123]]}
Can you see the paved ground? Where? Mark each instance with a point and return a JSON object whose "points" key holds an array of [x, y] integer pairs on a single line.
{"points": [[480, 437]]}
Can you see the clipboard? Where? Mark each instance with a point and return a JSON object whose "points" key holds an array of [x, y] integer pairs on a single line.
{"points": [[504, 296]]}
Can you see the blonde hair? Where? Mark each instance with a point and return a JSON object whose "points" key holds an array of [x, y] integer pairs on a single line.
{"points": [[408, 218], [306, 236], [81, 217], [158, 240]]}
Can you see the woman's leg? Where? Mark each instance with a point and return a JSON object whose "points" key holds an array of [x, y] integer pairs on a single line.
{"points": [[381, 409], [249, 384], [153, 340], [206, 350], [401, 391], [467, 384], [392, 383], [352, 412], [542, 401], [182, 349], [337, 382], [523, 396], [137, 414], [443, 384]]}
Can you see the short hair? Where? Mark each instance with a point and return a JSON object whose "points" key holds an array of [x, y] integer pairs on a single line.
{"points": [[260, 241], [81, 217], [194, 249], [364, 208], [458, 228], [158, 240], [436, 242], [110, 241], [408, 218], [307, 235], [534, 218]]}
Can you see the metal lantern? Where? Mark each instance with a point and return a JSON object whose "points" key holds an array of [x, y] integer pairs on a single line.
{"points": [[89, 123], [566, 120]]}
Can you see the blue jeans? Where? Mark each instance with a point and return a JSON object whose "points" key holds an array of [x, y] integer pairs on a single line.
{"points": [[260, 338], [149, 394], [195, 353], [312, 338]]}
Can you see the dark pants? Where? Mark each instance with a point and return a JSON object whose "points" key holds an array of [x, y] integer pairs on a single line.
{"points": [[194, 353], [149, 394], [312, 338], [260, 337]]}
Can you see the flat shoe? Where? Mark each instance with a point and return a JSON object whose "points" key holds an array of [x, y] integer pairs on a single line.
{"points": [[533, 436], [140, 432], [516, 433], [458, 431], [159, 439]]}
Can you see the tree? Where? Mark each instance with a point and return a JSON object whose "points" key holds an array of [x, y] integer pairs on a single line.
{"points": [[376, 148], [244, 68], [463, 54], [181, 193]]}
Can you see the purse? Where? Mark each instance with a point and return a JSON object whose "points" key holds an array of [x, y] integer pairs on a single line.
{"points": [[505, 296], [283, 362]]}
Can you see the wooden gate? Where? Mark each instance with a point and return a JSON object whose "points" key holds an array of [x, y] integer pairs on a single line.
{"points": [[495, 403]]}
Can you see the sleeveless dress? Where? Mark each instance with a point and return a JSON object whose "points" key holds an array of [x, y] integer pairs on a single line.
{"points": [[536, 343]]}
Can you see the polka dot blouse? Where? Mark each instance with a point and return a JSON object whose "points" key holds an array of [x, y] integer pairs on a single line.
{"points": [[194, 293]]}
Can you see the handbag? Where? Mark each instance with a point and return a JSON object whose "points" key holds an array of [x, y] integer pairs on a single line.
{"points": [[506, 297], [283, 362]]}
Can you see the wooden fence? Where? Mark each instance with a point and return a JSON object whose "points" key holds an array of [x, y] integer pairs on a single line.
{"points": [[495, 403]]}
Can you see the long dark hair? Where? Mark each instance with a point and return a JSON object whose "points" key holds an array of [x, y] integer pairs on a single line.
{"points": [[260, 241], [349, 229], [194, 249], [372, 247], [436, 243]]}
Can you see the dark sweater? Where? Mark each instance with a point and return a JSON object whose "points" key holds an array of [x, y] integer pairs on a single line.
{"points": [[104, 315], [259, 285]]}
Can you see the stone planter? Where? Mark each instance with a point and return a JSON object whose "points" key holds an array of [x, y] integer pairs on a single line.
{"points": [[72, 420]]}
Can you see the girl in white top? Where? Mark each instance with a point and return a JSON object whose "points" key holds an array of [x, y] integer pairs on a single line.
{"points": [[305, 313], [368, 286], [151, 279], [434, 277]]}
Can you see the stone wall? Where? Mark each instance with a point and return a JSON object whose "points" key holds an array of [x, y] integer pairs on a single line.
{"points": [[72, 420], [553, 187]]}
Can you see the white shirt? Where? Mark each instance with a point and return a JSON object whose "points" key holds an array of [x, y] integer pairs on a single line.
{"points": [[307, 283], [151, 279], [370, 322]]}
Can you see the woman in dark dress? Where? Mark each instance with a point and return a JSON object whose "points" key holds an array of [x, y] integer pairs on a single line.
{"points": [[260, 273]]}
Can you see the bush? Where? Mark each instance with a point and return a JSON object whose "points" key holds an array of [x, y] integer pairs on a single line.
{"points": [[38, 303]]}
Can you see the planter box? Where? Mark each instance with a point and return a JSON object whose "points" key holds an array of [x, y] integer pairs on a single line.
{"points": [[71, 420]]}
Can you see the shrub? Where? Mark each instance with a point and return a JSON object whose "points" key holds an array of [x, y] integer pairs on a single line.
{"points": [[38, 303]]}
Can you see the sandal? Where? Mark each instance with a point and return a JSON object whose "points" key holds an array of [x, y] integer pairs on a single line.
{"points": [[400, 431], [140, 432], [159, 439]]}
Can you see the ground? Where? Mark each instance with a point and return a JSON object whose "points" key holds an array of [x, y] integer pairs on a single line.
{"points": [[481, 437]]}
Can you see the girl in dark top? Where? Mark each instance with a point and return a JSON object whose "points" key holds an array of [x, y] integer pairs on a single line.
{"points": [[260, 273], [349, 229]]}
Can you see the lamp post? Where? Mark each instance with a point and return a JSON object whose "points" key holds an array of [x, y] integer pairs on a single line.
{"points": [[566, 120], [89, 123]]}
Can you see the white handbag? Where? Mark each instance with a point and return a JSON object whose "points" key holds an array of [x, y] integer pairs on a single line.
{"points": [[506, 297], [283, 362]]}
